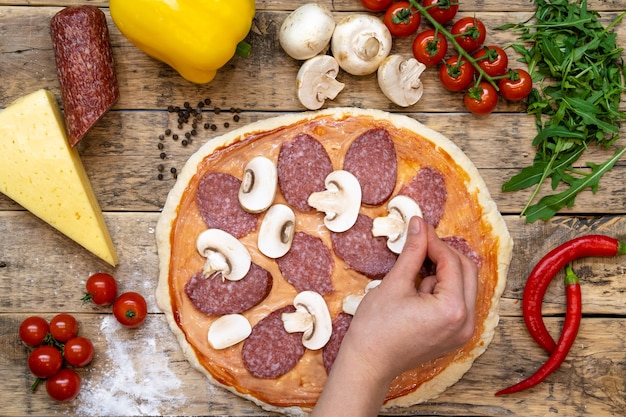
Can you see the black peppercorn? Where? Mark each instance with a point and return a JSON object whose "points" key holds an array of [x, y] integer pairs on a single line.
{"points": [[162, 155]]}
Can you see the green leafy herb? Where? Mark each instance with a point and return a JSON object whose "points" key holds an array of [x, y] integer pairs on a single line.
{"points": [[578, 66]]}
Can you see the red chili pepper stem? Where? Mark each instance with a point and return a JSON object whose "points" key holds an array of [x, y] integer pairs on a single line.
{"points": [[545, 270], [571, 325]]}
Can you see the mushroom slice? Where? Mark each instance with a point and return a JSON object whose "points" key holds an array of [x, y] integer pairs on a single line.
{"points": [[276, 231], [340, 201], [316, 81], [351, 301], [360, 43], [228, 330], [312, 318], [258, 186], [399, 79], [400, 210], [224, 254]]}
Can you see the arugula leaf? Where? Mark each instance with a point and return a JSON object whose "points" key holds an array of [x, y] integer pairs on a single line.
{"points": [[566, 48]]}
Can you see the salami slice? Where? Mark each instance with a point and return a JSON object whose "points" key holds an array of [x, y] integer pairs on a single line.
{"points": [[85, 67], [428, 189], [218, 202], [270, 351], [371, 158], [308, 265], [340, 327], [216, 296], [303, 165], [362, 251], [459, 244]]}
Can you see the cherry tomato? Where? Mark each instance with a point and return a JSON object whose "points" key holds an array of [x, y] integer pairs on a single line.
{"points": [[45, 361], [517, 86], [443, 11], [101, 289], [376, 5], [33, 330], [493, 60], [130, 309], [481, 99], [401, 19], [470, 33], [63, 327], [64, 386], [455, 75], [78, 351], [429, 50]]}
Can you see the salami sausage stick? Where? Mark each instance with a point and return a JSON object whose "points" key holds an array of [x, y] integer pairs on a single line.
{"points": [[80, 39]]}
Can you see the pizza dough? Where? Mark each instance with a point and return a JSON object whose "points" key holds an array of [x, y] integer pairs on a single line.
{"points": [[270, 367]]}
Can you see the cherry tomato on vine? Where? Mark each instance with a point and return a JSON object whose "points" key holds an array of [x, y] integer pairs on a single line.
{"points": [[517, 86], [63, 327], [101, 289], [481, 99], [376, 5], [130, 309], [493, 60], [443, 11], [402, 19], [64, 386], [33, 330], [429, 50], [78, 351], [470, 33], [456, 75], [45, 361]]}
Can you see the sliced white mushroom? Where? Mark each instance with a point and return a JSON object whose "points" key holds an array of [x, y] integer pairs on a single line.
{"points": [[394, 226], [351, 301], [228, 330], [316, 81], [360, 43], [312, 318], [306, 32], [224, 254], [340, 201], [258, 186], [399, 79], [276, 231]]}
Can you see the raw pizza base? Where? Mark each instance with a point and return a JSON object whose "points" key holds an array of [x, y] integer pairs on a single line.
{"points": [[455, 365]]}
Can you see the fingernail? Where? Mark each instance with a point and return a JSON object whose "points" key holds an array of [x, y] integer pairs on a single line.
{"points": [[414, 226]]}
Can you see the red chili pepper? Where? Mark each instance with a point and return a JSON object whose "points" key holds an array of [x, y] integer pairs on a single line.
{"points": [[547, 268], [570, 330]]}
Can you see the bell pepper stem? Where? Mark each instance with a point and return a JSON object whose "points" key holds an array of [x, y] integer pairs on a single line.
{"points": [[243, 49]]}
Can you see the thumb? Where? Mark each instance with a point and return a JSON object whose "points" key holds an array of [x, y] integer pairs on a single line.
{"points": [[408, 264]]}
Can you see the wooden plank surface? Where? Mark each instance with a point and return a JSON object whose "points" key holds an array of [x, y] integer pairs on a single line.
{"points": [[142, 371]]}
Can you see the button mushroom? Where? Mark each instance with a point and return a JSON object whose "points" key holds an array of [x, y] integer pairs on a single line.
{"points": [[306, 32], [316, 81], [340, 201], [312, 318], [276, 231], [400, 210], [224, 254], [351, 301], [258, 186], [360, 43], [399, 79], [228, 330]]}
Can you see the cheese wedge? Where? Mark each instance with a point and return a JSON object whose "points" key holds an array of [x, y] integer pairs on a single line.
{"points": [[42, 173]]}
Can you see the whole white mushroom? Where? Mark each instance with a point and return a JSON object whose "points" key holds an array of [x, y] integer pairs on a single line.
{"points": [[306, 32]]}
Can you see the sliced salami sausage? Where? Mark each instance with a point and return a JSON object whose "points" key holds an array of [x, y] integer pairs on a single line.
{"points": [[270, 351], [308, 265], [85, 67], [459, 244], [340, 327], [362, 251], [216, 296], [218, 202], [303, 165], [372, 159], [428, 189]]}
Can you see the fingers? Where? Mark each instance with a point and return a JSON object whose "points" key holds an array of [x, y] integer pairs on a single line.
{"points": [[408, 264]]}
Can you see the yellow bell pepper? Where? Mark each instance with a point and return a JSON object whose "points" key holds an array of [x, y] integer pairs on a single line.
{"points": [[195, 37]]}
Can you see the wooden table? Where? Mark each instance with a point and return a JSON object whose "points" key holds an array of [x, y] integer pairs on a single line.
{"points": [[143, 371]]}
